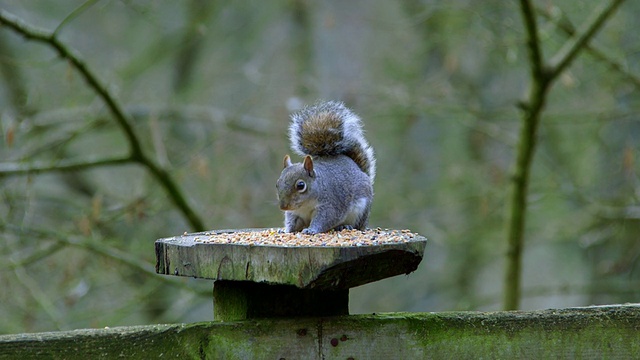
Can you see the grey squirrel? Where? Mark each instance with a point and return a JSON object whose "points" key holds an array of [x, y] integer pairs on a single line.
{"points": [[332, 188]]}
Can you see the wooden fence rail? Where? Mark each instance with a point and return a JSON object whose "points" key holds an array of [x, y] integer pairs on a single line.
{"points": [[601, 332]]}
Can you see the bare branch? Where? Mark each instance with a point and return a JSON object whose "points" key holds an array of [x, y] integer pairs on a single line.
{"points": [[50, 39], [135, 147], [534, 103], [564, 24], [565, 56], [37, 255], [542, 76], [126, 259], [75, 13], [13, 169], [533, 42], [39, 296], [13, 80], [95, 247]]}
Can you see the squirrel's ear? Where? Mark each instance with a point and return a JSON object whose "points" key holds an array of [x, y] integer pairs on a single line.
{"points": [[308, 165], [287, 161]]}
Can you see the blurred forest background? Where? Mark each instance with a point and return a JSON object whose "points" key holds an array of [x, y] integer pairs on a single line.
{"points": [[205, 89]]}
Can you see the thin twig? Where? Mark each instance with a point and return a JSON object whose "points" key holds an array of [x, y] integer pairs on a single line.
{"points": [[50, 39], [32, 286], [564, 24], [12, 169], [130, 261], [100, 249], [74, 14], [39, 296], [568, 52], [13, 80], [136, 152], [39, 254]]}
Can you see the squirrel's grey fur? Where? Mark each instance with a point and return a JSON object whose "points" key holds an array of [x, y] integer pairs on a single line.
{"points": [[350, 136], [333, 187]]}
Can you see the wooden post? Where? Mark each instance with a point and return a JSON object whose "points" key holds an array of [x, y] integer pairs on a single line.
{"points": [[234, 300], [283, 281]]}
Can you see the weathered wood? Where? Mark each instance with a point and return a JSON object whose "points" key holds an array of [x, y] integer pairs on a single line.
{"points": [[608, 332], [277, 281], [307, 267], [239, 300]]}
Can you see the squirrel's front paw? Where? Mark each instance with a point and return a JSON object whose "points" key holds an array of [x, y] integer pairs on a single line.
{"points": [[308, 231]]}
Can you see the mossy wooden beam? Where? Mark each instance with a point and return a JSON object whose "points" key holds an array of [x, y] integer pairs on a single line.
{"points": [[606, 332]]}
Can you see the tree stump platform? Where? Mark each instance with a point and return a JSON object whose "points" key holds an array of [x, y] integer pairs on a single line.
{"points": [[253, 280]]}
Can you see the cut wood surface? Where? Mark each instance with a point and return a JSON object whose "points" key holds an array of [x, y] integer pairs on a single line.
{"points": [[602, 332], [306, 267]]}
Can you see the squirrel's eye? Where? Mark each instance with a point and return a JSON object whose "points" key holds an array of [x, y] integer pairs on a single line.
{"points": [[301, 186]]}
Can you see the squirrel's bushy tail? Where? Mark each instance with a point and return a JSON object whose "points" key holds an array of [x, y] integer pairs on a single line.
{"points": [[330, 129]]}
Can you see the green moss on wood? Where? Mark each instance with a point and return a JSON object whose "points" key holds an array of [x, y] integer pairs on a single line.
{"points": [[611, 332]]}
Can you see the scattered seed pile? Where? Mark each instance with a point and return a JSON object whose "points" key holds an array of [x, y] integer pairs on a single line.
{"points": [[273, 237]]}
